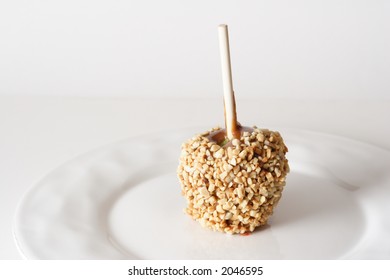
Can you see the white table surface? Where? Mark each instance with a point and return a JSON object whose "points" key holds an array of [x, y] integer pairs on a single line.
{"points": [[39, 133]]}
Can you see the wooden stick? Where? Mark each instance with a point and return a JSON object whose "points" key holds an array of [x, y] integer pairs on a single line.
{"points": [[229, 101]]}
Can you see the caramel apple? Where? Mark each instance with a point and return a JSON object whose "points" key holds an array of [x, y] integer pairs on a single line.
{"points": [[232, 178]]}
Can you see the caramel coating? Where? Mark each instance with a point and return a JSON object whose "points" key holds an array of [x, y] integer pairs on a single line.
{"points": [[234, 188]]}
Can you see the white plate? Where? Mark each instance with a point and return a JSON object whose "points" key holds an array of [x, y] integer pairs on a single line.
{"points": [[123, 201]]}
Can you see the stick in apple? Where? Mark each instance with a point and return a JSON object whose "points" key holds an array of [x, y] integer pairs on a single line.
{"points": [[229, 101]]}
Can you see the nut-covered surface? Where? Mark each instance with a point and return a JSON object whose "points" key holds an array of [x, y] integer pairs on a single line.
{"points": [[233, 188]]}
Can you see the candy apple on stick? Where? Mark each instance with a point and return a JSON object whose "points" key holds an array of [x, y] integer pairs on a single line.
{"points": [[232, 178]]}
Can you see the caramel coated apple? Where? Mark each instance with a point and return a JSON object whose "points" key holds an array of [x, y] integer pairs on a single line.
{"points": [[233, 186]]}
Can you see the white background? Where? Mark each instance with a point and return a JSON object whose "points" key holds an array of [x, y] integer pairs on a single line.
{"points": [[281, 48], [75, 75]]}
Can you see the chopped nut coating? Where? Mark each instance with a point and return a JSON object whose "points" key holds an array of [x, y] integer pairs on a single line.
{"points": [[234, 188]]}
